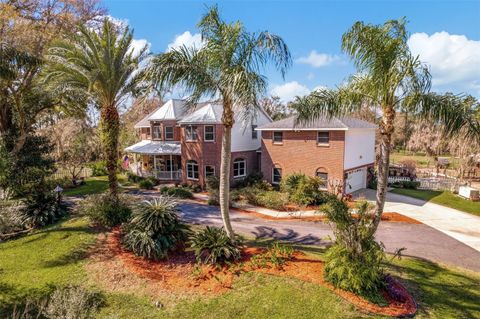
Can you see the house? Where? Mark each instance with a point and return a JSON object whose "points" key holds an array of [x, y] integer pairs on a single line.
{"points": [[338, 150], [183, 146]]}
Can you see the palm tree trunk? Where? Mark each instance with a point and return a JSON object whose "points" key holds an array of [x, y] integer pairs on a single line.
{"points": [[110, 128], [386, 131], [226, 156]]}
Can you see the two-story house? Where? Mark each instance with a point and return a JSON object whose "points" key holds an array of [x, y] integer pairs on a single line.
{"points": [[338, 150], [184, 146]]}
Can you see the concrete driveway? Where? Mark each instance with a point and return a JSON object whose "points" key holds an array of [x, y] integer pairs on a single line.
{"points": [[462, 226], [419, 240]]}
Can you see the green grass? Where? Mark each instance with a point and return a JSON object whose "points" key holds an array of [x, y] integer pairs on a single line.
{"points": [[95, 185], [444, 198], [421, 160], [32, 265]]}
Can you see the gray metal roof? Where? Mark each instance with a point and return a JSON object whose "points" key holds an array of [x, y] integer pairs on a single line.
{"points": [[208, 114], [149, 147], [324, 123]]}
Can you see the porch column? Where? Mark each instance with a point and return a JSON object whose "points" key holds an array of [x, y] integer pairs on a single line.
{"points": [[171, 167]]}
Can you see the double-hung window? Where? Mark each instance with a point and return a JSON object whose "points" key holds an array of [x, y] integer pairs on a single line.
{"points": [[169, 132], [254, 133], [239, 168], [192, 170], [209, 133], [276, 175], [277, 137], [156, 132], [323, 138], [191, 133]]}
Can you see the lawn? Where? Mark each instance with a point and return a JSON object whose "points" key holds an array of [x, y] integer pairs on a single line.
{"points": [[444, 198], [31, 266], [94, 185], [421, 160]]}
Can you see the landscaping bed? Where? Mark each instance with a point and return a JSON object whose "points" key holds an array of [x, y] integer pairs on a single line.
{"points": [[181, 274]]}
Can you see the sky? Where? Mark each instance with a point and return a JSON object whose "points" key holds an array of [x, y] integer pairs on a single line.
{"points": [[445, 35]]}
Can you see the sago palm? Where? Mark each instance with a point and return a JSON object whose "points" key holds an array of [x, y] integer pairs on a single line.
{"points": [[228, 67], [102, 67], [389, 78]]}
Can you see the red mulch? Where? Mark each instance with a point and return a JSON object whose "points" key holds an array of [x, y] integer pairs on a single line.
{"points": [[181, 274]]}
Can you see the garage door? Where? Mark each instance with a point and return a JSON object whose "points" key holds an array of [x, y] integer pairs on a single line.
{"points": [[356, 180]]}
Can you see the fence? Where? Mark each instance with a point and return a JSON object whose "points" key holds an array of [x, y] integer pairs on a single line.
{"points": [[63, 173], [431, 183]]}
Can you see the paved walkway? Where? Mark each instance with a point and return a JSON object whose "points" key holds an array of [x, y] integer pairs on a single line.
{"points": [[462, 226], [419, 240]]}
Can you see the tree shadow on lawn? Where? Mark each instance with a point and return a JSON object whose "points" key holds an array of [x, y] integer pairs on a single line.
{"points": [[447, 292], [13, 296]]}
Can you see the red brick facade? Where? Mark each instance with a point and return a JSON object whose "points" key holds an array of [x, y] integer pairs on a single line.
{"points": [[299, 153]]}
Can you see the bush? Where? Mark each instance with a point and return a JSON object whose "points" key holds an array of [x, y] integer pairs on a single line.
{"points": [[105, 210], [406, 184], [250, 180], [146, 184], [72, 302], [354, 262], [213, 246], [41, 208], [305, 190], [155, 229], [99, 168], [10, 218], [213, 184], [272, 200], [180, 192], [133, 177]]}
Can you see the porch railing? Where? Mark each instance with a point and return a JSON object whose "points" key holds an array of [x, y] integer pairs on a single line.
{"points": [[168, 175]]}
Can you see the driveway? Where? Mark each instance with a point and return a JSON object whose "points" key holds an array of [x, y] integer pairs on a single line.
{"points": [[419, 240], [462, 226]]}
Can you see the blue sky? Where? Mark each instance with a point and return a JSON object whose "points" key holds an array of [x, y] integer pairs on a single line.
{"points": [[446, 35]]}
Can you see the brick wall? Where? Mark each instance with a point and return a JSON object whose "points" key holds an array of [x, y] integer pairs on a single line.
{"points": [[176, 129], [299, 153]]}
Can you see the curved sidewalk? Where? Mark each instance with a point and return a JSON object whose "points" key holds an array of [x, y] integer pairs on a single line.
{"points": [[462, 226]]}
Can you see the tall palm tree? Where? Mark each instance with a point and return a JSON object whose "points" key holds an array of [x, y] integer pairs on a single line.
{"points": [[227, 66], [389, 78], [101, 67]]}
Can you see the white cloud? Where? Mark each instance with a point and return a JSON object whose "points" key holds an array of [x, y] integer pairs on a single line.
{"points": [[187, 39], [318, 60], [137, 45], [454, 60], [288, 91]]}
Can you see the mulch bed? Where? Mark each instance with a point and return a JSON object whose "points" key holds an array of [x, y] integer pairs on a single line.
{"points": [[181, 274]]}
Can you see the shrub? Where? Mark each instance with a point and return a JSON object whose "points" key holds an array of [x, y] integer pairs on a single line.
{"points": [[250, 180], [41, 208], [146, 184], [72, 302], [354, 262], [181, 192], [155, 229], [290, 183], [10, 218], [213, 246], [305, 190], [272, 200], [133, 177], [410, 184], [99, 168], [105, 210], [213, 184]]}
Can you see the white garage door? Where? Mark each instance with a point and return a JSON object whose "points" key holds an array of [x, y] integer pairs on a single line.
{"points": [[356, 180]]}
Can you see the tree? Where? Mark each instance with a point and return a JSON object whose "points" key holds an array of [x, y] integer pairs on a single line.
{"points": [[227, 66], [392, 79], [103, 69], [274, 107]]}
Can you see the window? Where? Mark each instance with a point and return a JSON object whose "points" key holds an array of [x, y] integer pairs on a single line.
{"points": [[239, 167], [278, 137], [169, 132], [254, 133], [323, 138], [157, 132], [323, 175], [192, 170], [209, 133], [276, 175], [191, 133], [209, 171]]}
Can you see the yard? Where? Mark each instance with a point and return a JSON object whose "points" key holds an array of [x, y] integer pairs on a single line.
{"points": [[444, 198], [31, 266], [421, 160], [95, 185]]}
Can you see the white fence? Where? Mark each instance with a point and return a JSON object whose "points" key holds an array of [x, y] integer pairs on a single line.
{"points": [[432, 183], [394, 179]]}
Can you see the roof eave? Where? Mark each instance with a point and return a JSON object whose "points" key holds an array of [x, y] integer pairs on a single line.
{"points": [[304, 129]]}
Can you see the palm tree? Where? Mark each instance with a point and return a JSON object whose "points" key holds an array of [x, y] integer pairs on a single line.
{"points": [[101, 67], [227, 66], [389, 78]]}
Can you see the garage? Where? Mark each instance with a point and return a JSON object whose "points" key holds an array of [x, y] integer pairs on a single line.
{"points": [[356, 179]]}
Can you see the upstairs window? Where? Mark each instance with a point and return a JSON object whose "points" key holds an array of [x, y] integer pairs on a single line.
{"points": [[323, 138], [191, 133], [156, 132], [239, 168], [254, 133], [192, 170], [169, 132], [278, 137], [276, 175], [209, 131]]}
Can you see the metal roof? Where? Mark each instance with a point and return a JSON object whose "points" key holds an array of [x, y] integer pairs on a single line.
{"points": [[324, 123], [172, 110], [208, 114], [149, 147]]}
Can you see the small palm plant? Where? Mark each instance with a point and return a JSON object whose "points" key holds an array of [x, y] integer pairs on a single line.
{"points": [[213, 246], [155, 229]]}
